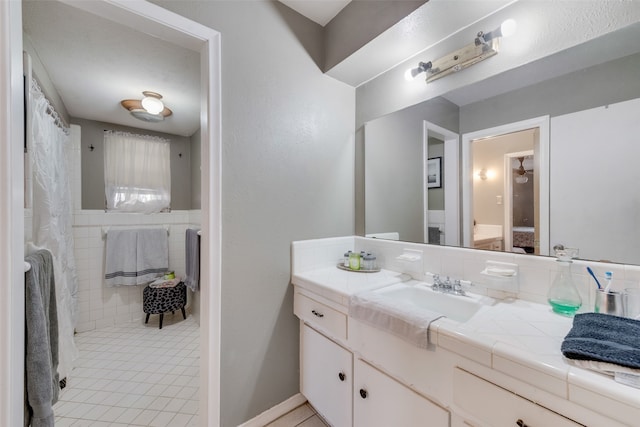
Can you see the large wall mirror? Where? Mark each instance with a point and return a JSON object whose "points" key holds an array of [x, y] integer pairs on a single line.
{"points": [[544, 154]]}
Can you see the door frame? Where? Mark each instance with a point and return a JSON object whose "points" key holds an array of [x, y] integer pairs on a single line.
{"points": [[508, 195], [159, 22], [451, 179], [541, 164]]}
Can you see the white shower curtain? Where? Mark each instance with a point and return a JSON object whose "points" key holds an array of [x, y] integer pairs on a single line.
{"points": [[52, 216]]}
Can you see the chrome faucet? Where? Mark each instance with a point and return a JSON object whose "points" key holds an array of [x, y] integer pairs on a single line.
{"points": [[447, 287]]}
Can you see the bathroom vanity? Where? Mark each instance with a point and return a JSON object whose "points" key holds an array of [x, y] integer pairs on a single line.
{"points": [[499, 366]]}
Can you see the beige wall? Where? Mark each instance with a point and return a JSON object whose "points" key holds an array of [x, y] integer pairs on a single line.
{"points": [[489, 154]]}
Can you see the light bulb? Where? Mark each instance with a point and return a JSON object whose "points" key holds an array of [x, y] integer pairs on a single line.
{"points": [[409, 75], [152, 104], [508, 28]]}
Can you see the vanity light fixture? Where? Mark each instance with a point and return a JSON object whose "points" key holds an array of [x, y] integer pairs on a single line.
{"points": [[484, 46], [149, 109], [483, 174]]}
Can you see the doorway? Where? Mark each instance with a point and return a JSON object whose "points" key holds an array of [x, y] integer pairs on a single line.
{"points": [[166, 25], [474, 172], [446, 215]]}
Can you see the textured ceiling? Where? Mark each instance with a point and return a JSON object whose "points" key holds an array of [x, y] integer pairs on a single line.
{"points": [[95, 63]]}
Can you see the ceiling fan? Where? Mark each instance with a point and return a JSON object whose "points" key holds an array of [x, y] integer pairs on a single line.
{"points": [[521, 172]]}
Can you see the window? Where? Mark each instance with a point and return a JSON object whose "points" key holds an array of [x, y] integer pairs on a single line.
{"points": [[137, 172]]}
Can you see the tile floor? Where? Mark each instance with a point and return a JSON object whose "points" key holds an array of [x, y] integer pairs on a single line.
{"points": [[302, 416], [134, 375]]}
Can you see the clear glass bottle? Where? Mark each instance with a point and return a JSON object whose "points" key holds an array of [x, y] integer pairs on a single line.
{"points": [[563, 295], [345, 261]]}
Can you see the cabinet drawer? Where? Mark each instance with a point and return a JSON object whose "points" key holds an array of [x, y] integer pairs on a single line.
{"points": [[496, 406], [320, 316]]}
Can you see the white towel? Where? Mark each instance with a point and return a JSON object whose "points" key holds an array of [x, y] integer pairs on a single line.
{"points": [[410, 324], [136, 257], [152, 254]]}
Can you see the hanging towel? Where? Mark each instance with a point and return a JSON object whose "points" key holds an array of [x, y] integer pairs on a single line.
{"points": [[41, 341], [604, 338], [192, 261], [120, 260], [152, 254], [136, 257], [412, 325]]}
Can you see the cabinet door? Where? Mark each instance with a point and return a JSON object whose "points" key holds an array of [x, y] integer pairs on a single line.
{"points": [[326, 377], [380, 401]]}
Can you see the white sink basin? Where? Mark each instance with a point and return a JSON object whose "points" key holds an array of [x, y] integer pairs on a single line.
{"points": [[420, 295]]}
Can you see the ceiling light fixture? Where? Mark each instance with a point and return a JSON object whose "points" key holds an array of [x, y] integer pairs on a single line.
{"points": [[521, 173], [484, 46], [149, 109]]}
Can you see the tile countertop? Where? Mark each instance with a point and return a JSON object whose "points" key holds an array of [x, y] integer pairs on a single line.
{"points": [[519, 338], [337, 285]]}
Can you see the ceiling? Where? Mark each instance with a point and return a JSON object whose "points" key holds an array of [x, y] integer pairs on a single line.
{"points": [[319, 11], [87, 63], [94, 63]]}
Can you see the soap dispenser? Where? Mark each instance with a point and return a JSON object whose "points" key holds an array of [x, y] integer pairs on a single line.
{"points": [[563, 295]]}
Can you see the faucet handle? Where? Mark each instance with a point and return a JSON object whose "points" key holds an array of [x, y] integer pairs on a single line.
{"points": [[457, 288]]}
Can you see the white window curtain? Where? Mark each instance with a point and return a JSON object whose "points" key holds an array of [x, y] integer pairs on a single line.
{"points": [[137, 172]]}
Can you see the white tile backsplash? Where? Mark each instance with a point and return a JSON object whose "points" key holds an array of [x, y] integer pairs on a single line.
{"points": [[98, 305], [535, 273]]}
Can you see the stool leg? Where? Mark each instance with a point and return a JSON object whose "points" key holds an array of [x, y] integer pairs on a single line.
{"points": [[146, 320], [161, 317], [184, 315]]}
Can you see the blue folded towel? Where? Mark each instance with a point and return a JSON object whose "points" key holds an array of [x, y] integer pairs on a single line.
{"points": [[604, 338]]}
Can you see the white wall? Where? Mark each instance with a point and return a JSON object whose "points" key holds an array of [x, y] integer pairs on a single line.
{"points": [[287, 174], [595, 196]]}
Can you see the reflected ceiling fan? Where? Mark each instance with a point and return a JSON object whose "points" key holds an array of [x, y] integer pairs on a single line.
{"points": [[521, 173]]}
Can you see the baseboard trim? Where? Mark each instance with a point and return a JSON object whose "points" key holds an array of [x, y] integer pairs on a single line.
{"points": [[275, 412]]}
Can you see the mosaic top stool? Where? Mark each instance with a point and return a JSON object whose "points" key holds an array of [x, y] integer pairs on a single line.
{"points": [[161, 300]]}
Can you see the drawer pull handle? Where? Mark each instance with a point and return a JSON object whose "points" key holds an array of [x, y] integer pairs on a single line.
{"points": [[342, 376], [363, 394], [317, 313], [520, 423]]}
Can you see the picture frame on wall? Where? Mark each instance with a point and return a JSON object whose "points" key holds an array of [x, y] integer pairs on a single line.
{"points": [[434, 172]]}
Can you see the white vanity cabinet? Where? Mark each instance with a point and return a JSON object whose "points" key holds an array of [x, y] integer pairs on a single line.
{"points": [[381, 401], [344, 389], [491, 405], [326, 378]]}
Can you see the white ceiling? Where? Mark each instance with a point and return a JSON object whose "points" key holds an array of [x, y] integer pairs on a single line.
{"points": [[94, 64], [319, 11]]}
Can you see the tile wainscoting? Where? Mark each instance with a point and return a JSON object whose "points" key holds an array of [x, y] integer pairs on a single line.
{"points": [[100, 306]]}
